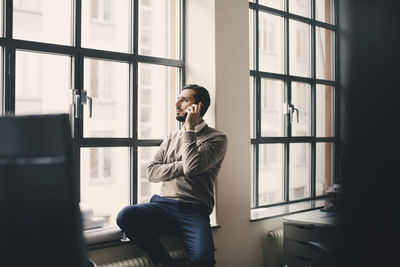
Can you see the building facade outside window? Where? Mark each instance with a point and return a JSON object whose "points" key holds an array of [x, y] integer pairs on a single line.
{"points": [[293, 101], [126, 56]]}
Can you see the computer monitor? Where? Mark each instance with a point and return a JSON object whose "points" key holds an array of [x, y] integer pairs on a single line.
{"points": [[40, 221]]}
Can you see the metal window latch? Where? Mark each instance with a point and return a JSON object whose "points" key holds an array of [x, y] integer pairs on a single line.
{"points": [[292, 109], [81, 98]]}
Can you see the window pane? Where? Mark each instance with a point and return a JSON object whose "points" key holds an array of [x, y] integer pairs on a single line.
{"points": [[278, 4], [271, 173], [105, 175], [158, 87], [325, 54], [300, 48], [272, 99], [300, 7], [146, 189], [325, 110], [43, 21], [106, 24], [107, 82], [301, 99], [324, 167], [159, 28], [299, 171], [324, 10], [42, 83], [251, 38], [271, 43]]}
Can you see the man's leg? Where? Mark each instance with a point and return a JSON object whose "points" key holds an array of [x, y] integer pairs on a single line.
{"points": [[143, 223], [196, 235]]}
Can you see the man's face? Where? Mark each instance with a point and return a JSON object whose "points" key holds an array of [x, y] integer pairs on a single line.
{"points": [[185, 100]]}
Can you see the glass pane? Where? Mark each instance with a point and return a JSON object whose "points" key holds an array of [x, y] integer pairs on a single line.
{"points": [[107, 82], [299, 171], [271, 43], [271, 174], [300, 7], [325, 111], [251, 39], [158, 87], [301, 99], [105, 175], [272, 115], [323, 167], [106, 24], [146, 189], [42, 83], [278, 4], [324, 10], [159, 32], [43, 21], [300, 48], [325, 54]]}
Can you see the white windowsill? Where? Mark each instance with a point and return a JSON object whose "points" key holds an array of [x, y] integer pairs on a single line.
{"points": [[281, 210]]}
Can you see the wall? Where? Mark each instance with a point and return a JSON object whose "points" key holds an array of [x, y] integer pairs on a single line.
{"points": [[217, 56]]}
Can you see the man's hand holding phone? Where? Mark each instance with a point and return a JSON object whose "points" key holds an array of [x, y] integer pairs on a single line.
{"points": [[193, 117]]}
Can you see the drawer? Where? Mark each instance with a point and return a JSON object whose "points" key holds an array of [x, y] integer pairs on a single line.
{"points": [[296, 261], [307, 233], [302, 249]]}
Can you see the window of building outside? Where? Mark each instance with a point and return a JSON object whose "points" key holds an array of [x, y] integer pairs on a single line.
{"points": [[133, 80], [292, 84]]}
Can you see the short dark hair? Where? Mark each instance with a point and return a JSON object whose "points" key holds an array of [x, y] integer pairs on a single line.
{"points": [[201, 95]]}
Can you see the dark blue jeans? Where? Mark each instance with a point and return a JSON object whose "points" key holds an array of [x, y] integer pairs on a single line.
{"points": [[144, 223]]}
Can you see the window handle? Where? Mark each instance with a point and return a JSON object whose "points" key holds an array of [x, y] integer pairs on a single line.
{"points": [[81, 98], [292, 109], [77, 106]]}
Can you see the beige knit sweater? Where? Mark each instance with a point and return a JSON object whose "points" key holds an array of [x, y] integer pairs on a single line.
{"points": [[187, 164]]}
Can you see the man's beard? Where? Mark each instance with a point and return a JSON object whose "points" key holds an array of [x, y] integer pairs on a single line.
{"points": [[181, 118]]}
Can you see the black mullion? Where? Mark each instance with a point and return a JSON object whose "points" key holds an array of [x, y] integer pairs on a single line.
{"points": [[257, 39], [134, 66], [135, 26], [8, 18], [10, 81], [288, 99], [257, 95], [78, 23], [286, 171], [337, 89], [313, 102], [160, 61], [110, 55], [291, 202], [134, 175], [256, 196], [182, 40], [43, 47], [326, 82], [9, 94], [270, 10]]}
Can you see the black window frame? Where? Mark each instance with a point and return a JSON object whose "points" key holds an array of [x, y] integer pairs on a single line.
{"points": [[256, 75], [78, 54]]}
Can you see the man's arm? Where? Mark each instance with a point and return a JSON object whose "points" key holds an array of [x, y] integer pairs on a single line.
{"points": [[198, 159], [158, 171]]}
